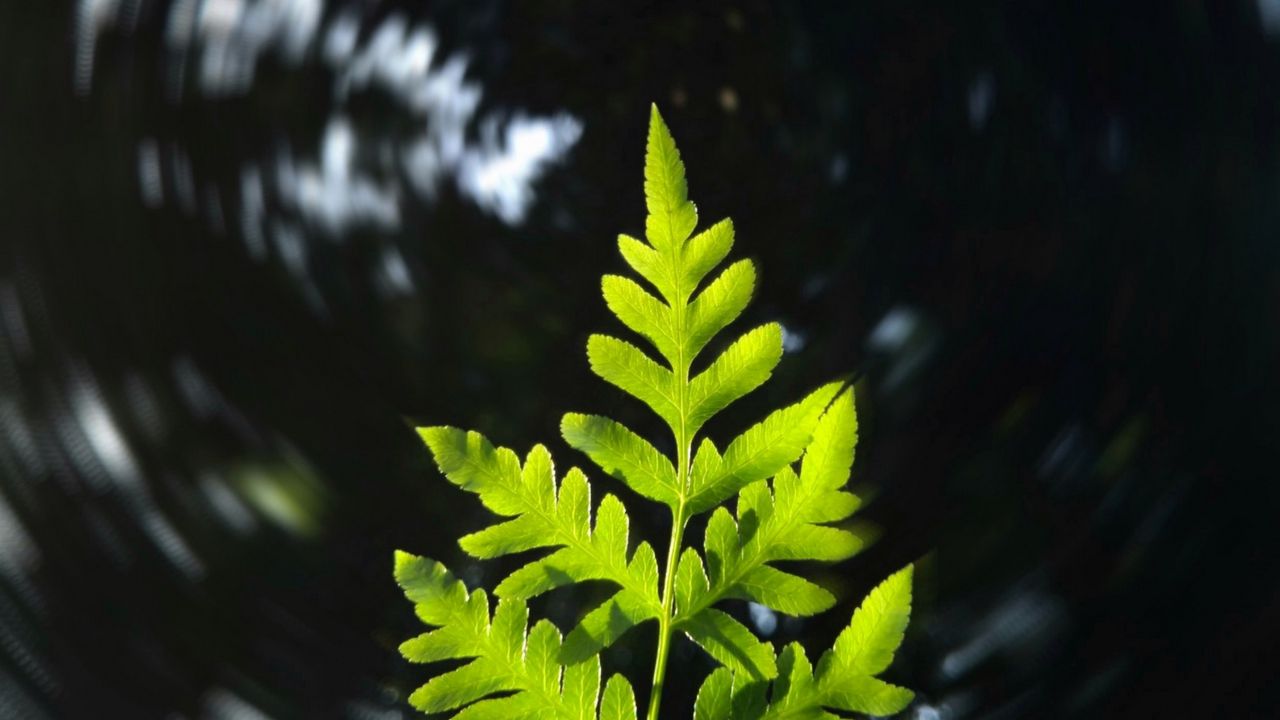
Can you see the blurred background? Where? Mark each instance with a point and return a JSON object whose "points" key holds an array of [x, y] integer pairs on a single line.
{"points": [[246, 245]]}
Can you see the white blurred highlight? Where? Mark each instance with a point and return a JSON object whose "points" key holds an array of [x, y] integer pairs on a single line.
{"points": [[350, 180]]}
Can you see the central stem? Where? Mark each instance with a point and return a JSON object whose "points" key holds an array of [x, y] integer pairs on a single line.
{"points": [[684, 448], [664, 622]]}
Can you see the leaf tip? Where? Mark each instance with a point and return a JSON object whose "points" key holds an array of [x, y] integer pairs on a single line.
{"points": [[658, 128], [569, 422], [402, 559], [906, 576]]}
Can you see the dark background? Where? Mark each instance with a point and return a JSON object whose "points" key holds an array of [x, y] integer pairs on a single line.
{"points": [[1045, 237]]}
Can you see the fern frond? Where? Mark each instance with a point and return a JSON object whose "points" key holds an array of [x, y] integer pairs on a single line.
{"points": [[671, 216], [724, 638], [544, 515], [786, 520], [677, 304], [623, 454], [845, 678], [678, 325], [513, 671], [762, 451]]}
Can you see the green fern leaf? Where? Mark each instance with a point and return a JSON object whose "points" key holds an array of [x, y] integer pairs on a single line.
{"points": [[671, 216], [719, 304], [545, 516], [643, 313], [609, 621], [504, 656], [678, 304], [845, 678], [731, 643], [785, 521], [704, 252], [867, 646], [650, 265], [618, 701], [623, 365], [623, 454], [761, 451], [743, 367]]}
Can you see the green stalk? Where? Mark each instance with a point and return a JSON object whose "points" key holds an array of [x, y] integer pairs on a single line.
{"points": [[664, 622], [684, 448]]}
